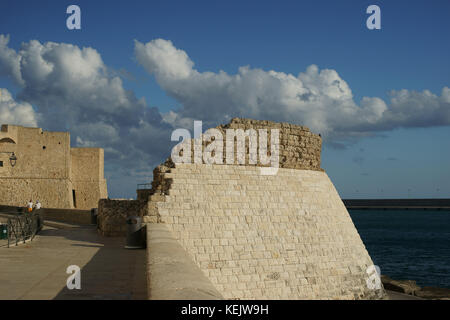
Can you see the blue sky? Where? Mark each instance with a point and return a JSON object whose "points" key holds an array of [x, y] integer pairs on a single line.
{"points": [[410, 52]]}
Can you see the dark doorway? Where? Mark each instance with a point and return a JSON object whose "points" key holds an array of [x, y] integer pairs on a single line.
{"points": [[74, 199]]}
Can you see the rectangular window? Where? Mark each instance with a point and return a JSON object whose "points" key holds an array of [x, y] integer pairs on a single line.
{"points": [[1, 163]]}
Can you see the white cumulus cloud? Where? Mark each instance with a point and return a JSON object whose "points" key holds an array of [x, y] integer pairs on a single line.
{"points": [[319, 99], [16, 113], [73, 90]]}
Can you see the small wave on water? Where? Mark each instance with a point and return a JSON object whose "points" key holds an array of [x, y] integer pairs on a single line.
{"points": [[408, 244]]}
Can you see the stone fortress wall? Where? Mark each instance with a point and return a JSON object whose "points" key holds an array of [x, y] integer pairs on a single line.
{"points": [[87, 176], [49, 170], [282, 236]]}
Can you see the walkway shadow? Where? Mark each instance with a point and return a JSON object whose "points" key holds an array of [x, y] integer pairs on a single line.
{"points": [[112, 273]]}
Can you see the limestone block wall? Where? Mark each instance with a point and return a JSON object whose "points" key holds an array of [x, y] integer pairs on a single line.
{"points": [[49, 170], [87, 175], [40, 154], [42, 168], [286, 236], [112, 215], [55, 193]]}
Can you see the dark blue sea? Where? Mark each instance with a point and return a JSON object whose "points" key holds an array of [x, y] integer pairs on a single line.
{"points": [[408, 244]]}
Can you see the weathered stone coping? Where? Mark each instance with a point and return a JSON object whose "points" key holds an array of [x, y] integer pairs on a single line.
{"points": [[171, 273]]}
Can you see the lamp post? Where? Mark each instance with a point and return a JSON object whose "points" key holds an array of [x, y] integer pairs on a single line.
{"points": [[12, 158]]}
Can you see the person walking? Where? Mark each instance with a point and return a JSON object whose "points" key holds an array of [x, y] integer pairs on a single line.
{"points": [[37, 211], [37, 205], [30, 206]]}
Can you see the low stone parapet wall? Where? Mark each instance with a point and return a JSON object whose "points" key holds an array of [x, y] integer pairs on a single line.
{"points": [[74, 216], [143, 194], [112, 215], [66, 215], [11, 209], [171, 272]]}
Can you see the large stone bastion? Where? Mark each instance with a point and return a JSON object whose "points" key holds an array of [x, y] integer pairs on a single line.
{"points": [[254, 236]]}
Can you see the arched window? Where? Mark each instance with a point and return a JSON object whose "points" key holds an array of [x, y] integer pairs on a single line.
{"points": [[7, 140]]}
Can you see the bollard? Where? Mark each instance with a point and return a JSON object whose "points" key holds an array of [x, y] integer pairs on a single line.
{"points": [[135, 234], [94, 213], [3, 231]]}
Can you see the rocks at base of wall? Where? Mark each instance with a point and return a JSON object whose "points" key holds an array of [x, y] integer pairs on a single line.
{"points": [[403, 286], [410, 287], [434, 293]]}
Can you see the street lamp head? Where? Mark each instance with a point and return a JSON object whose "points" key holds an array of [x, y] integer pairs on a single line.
{"points": [[13, 159]]}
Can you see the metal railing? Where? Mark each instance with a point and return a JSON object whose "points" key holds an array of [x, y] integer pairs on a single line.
{"points": [[144, 186], [23, 227]]}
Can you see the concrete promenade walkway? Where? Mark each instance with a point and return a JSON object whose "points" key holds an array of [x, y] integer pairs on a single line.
{"points": [[37, 270]]}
